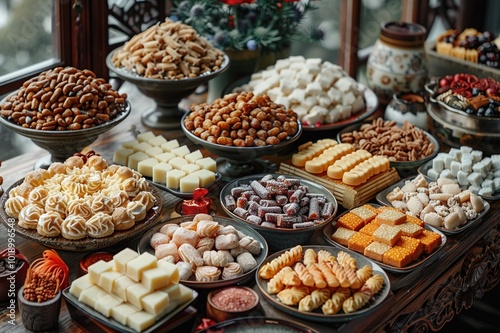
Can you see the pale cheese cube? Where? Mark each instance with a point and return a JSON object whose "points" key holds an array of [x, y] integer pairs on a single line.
{"points": [[107, 280], [205, 176], [155, 278], [121, 259], [144, 137], [207, 163], [173, 178], [96, 269], [153, 151], [177, 162], [171, 270], [160, 172], [135, 293], [181, 151], [121, 312], [189, 183], [157, 141], [169, 145], [129, 144], [190, 168], [120, 287], [138, 265], [140, 321], [90, 295], [80, 284], [106, 303], [174, 292], [135, 158], [186, 294], [145, 167], [142, 146], [120, 156], [193, 156], [155, 303], [165, 157]]}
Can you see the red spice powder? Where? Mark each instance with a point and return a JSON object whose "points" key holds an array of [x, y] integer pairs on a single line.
{"points": [[234, 299], [93, 258]]}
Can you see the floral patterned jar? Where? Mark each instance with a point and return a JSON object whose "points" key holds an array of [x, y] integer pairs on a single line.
{"points": [[397, 61]]}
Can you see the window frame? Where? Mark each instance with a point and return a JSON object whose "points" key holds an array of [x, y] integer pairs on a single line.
{"points": [[62, 43]]}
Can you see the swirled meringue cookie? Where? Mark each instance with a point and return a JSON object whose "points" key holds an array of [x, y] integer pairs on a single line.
{"points": [[56, 202], [146, 198], [142, 184], [79, 207], [102, 203], [38, 195], [96, 162], [75, 184], [94, 182], [100, 225], [232, 270], [49, 224], [123, 173], [130, 187], [137, 209], [207, 273], [122, 219], [22, 190], [56, 168], [13, 205], [29, 216], [36, 177], [119, 198], [73, 227]]}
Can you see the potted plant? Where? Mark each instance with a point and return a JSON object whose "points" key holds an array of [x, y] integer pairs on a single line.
{"points": [[40, 296]]}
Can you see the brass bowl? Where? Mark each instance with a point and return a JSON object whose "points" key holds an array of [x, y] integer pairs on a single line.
{"points": [[218, 314]]}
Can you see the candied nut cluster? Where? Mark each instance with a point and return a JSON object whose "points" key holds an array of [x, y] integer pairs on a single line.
{"points": [[242, 120], [170, 50], [63, 99], [398, 143]]}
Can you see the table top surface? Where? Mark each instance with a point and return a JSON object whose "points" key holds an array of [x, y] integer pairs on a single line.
{"points": [[404, 287]]}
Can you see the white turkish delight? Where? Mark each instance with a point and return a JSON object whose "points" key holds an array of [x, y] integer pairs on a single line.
{"points": [[287, 86], [335, 95], [314, 61], [348, 98], [324, 100], [332, 116], [475, 179], [345, 111], [266, 74], [298, 58], [313, 88], [300, 110], [262, 87], [303, 79], [462, 178], [282, 64], [312, 118], [325, 79], [274, 93], [287, 74], [344, 84], [310, 101], [455, 168], [319, 109], [297, 96], [256, 76]]}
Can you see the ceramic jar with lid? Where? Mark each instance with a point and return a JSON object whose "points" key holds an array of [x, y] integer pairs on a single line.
{"points": [[407, 107], [397, 61]]}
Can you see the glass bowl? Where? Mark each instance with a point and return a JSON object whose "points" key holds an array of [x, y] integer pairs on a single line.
{"points": [[63, 144], [235, 162], [166, 93]]}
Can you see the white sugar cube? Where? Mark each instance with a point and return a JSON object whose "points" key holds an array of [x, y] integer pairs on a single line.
{"points": [[321, 110], [485, 191], [283, 100], [300, 110], [287, 86], [467, 165], [438, 164], [313, 88], [480, 168], [303, 79], [455, 167], [477, 155], [473, 188], [312, 118], [348, 98], [487, 183], [335, 95], [332, 116], [297, 96], [462, 178], [496, 183], [475, 179], [446, 173], [456, 153], [447, 161], [345, 111], [433, 174], [466, 149]]}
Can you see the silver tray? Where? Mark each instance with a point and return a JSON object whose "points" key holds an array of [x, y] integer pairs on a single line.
{"points": [[144, 246], [328, 231], [317, 315], [426, 166], [112, 324]]}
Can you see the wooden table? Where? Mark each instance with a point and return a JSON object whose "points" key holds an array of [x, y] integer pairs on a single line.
{"points": [[424, 299]]}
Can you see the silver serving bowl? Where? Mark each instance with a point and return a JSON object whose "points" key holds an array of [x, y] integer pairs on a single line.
{"points": [[166, 93], [236, 162], [63, 144]]}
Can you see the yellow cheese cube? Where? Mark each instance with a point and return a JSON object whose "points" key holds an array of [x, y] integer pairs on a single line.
{"points": [[80, 284], [129, 144], [169, 145], [155, 303], [120, 156], [173, 178], [140, 321], [190, 168], [189, 183], [145, 167], [186, 294], [174, 292], [121, 312], [142, 146], [144, 137], [137, 266], [106, 303], [134, 294], [155, 278], [120, 287], [207, 163], [153, 151], [97, 268], [206, 177], [177, 162], [165, 157], [135, 158], [121, 259], [193, 156], [90, 295], [172, 271], [107, 280], [157, 141], [181, 151], [160, 172]]}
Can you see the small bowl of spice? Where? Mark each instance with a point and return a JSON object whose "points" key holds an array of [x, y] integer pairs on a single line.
{"points": [[92, 258], [231, 302]]}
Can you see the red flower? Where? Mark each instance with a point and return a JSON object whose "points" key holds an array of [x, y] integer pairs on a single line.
{"points": [[236, 2]]}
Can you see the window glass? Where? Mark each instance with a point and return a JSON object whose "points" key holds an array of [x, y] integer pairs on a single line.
{"points": [[26, 36]]}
